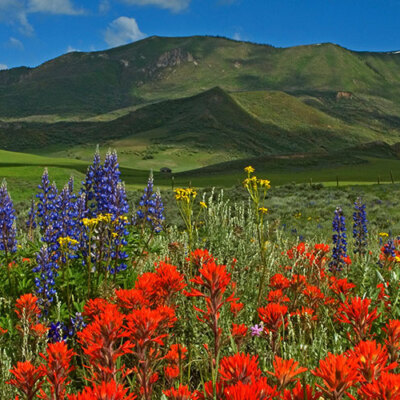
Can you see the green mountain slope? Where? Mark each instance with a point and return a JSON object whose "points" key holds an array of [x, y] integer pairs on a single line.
{"points": [[158, 68], [196, 131]]}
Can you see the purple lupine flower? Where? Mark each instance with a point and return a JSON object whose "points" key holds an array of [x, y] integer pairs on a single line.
{"points": [[150, 208], [360, 227], [8, 241], [339, 250], [47, 272]]}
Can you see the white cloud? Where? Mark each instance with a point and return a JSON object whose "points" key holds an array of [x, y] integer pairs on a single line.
{"points": [[173, 5], [3, 66], [104, 6], [13, 12], [16, 43], [16, 12], [237, 36], [121, 31], [64, 7], [71, 49]]}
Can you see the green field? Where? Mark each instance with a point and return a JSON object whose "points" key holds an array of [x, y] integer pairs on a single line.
{"points": [[23, 172]]}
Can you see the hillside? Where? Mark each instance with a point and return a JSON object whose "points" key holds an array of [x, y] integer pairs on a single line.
{"points": [[196, 131], [157, 68]]}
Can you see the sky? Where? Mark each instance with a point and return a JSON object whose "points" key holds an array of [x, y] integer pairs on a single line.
{"points": [[34, 31]]}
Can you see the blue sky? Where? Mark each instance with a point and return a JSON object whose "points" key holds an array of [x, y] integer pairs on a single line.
{"points": [[33, 31]]}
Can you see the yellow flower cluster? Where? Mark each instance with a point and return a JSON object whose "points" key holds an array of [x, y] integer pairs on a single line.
{"points": [[383, 234], [203, 205], [92, 222], [65, 241], [185, 194], [263, 210], [252, 182]]}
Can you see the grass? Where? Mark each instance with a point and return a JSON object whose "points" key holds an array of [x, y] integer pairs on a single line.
{"points": [[23, 172]]}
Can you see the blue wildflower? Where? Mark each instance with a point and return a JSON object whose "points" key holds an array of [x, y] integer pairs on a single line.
{"points": [[360, 227], [46, 209], [150, 208], [339, 251], [47, 272], [8, 241]]}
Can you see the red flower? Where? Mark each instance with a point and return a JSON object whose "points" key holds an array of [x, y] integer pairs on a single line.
{"points": [[341, 286], [383, 294], [171, 371], [146, 325], [213, 281], [104, 391], [3, 331], [132, 299], [298, 283], [300, 392], [176, 352], [26, 306], [182, 393], [273, 316], [39, 330], [103, 342], [285, 371], [28, 379], [321, 248], [305, 312], [200, 257], [174, 358], [239, 368], [387, 387], [153, 289], [236, 307], [278, 281], [259, 390], [277, 296], [94, 307], [169, 282], [147, 329], [314, 295], [58, 367], [338, 373], [239, 333], [356, 313], [392, 329], [372, 359]]}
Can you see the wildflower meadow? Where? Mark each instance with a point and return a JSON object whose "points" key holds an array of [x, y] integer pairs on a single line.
{"points": [[101, 299]]}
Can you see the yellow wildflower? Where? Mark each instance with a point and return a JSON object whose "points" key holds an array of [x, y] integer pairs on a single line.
{"points": [[65, 241], [265, 183], [203, 205], [263, 210], [383, 234], [249, 169]]}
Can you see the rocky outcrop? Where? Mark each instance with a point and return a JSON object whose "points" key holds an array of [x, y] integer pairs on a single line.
{"points": [[174, 57]]}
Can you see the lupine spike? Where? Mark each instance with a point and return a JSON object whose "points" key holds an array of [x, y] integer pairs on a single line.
{"points": [[150, 208], [339, 250], [8, 241], [360, 227], [47, 272]]}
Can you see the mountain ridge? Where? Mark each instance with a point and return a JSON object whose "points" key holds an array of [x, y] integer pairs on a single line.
{"points": [[160, 68]]}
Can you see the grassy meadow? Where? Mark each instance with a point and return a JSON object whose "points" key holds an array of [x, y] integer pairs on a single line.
{"points": [[130, 290]]}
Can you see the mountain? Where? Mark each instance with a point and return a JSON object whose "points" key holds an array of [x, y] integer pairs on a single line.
{"points": [[196, 131], [160, 68]]}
